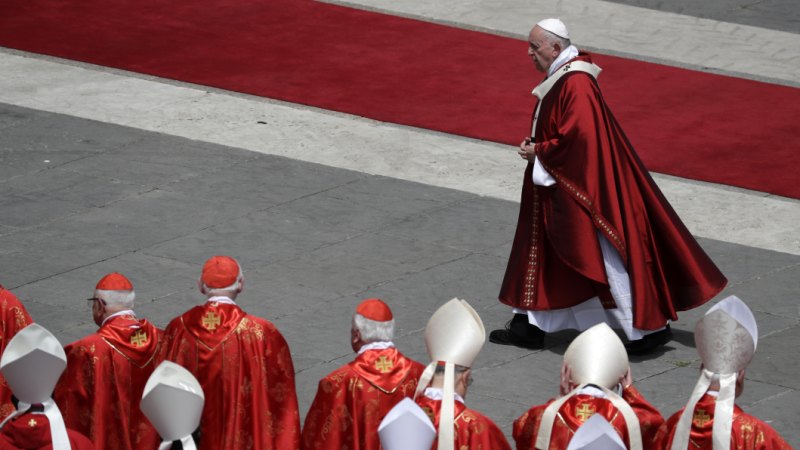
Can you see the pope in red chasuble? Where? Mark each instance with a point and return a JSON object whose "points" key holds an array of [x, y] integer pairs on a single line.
{"points": [[100, 390], [594, 229], [13, 317], [578, 409], [747, 432], [352, 400], [243, 364]]}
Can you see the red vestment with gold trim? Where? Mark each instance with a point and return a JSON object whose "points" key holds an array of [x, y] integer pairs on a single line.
{"points": [[245, 368], [101, 388], [575, 411], [747, 432], [601, 185], [473, 430], [352, 400], [31, 431], [13, 317]]}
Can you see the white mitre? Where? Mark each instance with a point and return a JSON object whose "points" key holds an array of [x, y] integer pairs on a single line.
{"points": [[596, 434], [406, 427], [555, 26], [596, 357], [454, 335], [173, 402], [32, 363], [726, 339]]}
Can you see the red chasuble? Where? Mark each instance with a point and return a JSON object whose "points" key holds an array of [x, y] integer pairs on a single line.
{"points": [[575, 411], [13, 317], [245, 368], [100, 391], [352, 400], [31, 431], [747, 432], [473, 430], [601, 185]]}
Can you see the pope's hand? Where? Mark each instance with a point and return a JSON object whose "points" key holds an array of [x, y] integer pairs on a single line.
{"points": [[527, 149]]}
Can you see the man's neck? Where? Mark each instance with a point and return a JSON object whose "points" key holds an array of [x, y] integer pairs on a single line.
{"points": [[566, 55], [123, 312]]}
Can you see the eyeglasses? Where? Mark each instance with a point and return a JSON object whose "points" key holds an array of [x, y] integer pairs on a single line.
{"points": [[90, 301]]}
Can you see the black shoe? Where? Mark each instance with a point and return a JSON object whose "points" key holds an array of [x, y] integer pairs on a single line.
{"points": [[519, 333], [650, 342]]}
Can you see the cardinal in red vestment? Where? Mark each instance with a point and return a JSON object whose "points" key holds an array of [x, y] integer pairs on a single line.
{"points": [[596, 240], [454, 336], [472, 429], [595, 368], [711, 420], [352, 400], [13, 318], [99, 392], [579, 408], [747, 432], [31, 431], [243, 364]]}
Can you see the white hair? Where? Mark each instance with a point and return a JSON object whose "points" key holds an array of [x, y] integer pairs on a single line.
{"points": [[372, 330], [116, 298]]}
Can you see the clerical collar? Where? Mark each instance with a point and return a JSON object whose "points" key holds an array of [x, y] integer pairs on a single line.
{"points": [[124, 312], [594, 391], [221, 299], [566, 55], [437, 394], [378, 345]]}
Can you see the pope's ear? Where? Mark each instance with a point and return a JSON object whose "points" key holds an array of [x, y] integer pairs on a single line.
{"points": [[201, 286]]}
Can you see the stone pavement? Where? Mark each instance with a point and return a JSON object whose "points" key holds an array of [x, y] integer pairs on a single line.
{"points": [[82, 198], [102, 170]]}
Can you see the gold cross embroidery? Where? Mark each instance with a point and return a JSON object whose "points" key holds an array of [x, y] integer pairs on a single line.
{"points": [[584, 411], [701, 418], [211, 321], [384, 364], [429, 412], [32, 423], [139, 339]]}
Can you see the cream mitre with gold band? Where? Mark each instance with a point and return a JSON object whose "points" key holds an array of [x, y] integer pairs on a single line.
{"points": [[726, 339], [596, 357], [173, 402], [32, 363], [454, 335]]}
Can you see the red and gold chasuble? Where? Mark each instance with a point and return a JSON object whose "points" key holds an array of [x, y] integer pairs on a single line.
{"points": [[352, 400], [473, 430], [577, 410], [13, 317], [747, 432], [100, 390], [601, 186], [245, 368], [31, 431]]}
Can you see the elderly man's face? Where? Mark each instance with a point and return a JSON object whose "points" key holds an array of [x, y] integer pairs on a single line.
{"points": [[542, 53]]}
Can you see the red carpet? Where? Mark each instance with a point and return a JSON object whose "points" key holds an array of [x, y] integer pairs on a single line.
{"points": [[685, 123]]}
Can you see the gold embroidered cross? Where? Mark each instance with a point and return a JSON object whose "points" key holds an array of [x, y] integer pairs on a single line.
{"points": [[139, 339], [584, 411], [384, 364], [211, 321], [701, 418], [32, 423]]}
